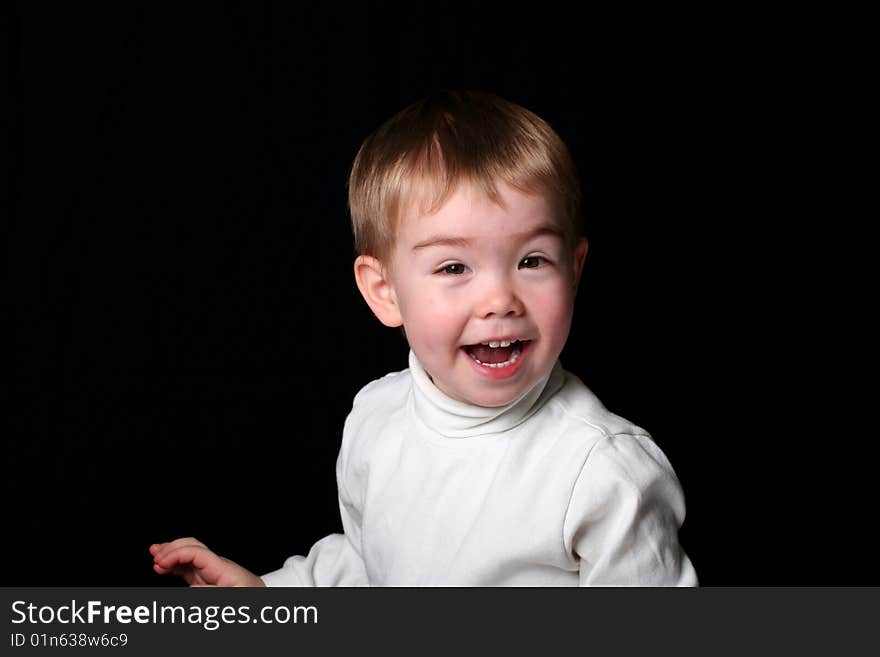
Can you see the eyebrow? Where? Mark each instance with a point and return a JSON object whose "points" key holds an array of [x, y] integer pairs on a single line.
{"points": [[462, 242]]}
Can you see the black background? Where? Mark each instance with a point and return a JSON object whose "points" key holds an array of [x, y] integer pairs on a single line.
{"points": [[187, 335]]}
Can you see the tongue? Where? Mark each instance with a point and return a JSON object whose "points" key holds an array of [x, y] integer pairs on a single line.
{"points": [[486, 354]]}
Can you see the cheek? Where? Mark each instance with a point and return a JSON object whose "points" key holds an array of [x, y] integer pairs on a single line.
{"points": [[429, 316], [554, 310]]}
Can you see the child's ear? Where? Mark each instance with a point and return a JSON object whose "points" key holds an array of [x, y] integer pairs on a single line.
{"points": [[580, 254], [375, 286]]}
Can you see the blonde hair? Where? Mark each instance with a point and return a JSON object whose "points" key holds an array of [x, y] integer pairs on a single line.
{"points": [[431, 147]]}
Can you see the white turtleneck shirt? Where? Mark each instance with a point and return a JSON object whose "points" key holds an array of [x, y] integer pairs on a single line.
{"points": [[549, 490]]}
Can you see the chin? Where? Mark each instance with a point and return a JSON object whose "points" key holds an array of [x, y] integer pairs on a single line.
{"points": [[494, 400]]}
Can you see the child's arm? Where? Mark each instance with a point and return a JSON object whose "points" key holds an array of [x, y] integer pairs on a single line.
{"points": [[624, 515], [193, 561]]}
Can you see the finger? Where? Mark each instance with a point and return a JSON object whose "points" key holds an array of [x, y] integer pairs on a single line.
{"points": [[155, 547], [195, 560], [165, 548], [162, 571], [182, 555], [179, 542], [201, 565]]}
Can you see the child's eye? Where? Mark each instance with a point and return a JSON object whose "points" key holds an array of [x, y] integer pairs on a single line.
{"points": [[532, 262], [454, 269]]}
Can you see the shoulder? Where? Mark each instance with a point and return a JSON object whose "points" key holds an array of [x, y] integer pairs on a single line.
{"points": [[576, 402], [611, 446], [622, 468], [389, 390], [378, 405]]}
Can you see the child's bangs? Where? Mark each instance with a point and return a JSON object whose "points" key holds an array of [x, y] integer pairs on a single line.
{"points": [[427, 182]]}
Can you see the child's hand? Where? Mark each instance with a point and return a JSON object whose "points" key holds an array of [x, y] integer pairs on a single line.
{"points": [[193, 561]]}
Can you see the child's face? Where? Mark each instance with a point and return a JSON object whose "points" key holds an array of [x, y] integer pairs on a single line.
{"points": [[475, 272]]}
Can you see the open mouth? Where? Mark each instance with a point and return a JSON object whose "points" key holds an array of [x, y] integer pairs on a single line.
{"points": [[496, 355]]}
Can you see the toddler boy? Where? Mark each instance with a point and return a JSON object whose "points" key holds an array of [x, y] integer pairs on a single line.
{"points": [[484, 463]]}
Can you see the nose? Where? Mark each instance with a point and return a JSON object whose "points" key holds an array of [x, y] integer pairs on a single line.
{"points": [[499, 299]]}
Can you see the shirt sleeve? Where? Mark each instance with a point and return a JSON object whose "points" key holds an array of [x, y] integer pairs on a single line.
{"points": [[624, 515], [335, 560]]}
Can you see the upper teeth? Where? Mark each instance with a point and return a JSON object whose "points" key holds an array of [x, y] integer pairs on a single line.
{"points": [[503, 343]]}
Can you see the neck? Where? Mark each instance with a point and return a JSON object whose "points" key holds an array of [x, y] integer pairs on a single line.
{"points": [[457, 419]]}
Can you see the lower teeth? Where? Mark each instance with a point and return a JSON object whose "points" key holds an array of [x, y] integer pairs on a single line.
{"points": [[513, 358]]}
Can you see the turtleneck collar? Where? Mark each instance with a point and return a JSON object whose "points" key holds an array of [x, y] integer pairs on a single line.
{"points": [[455, 419]]}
